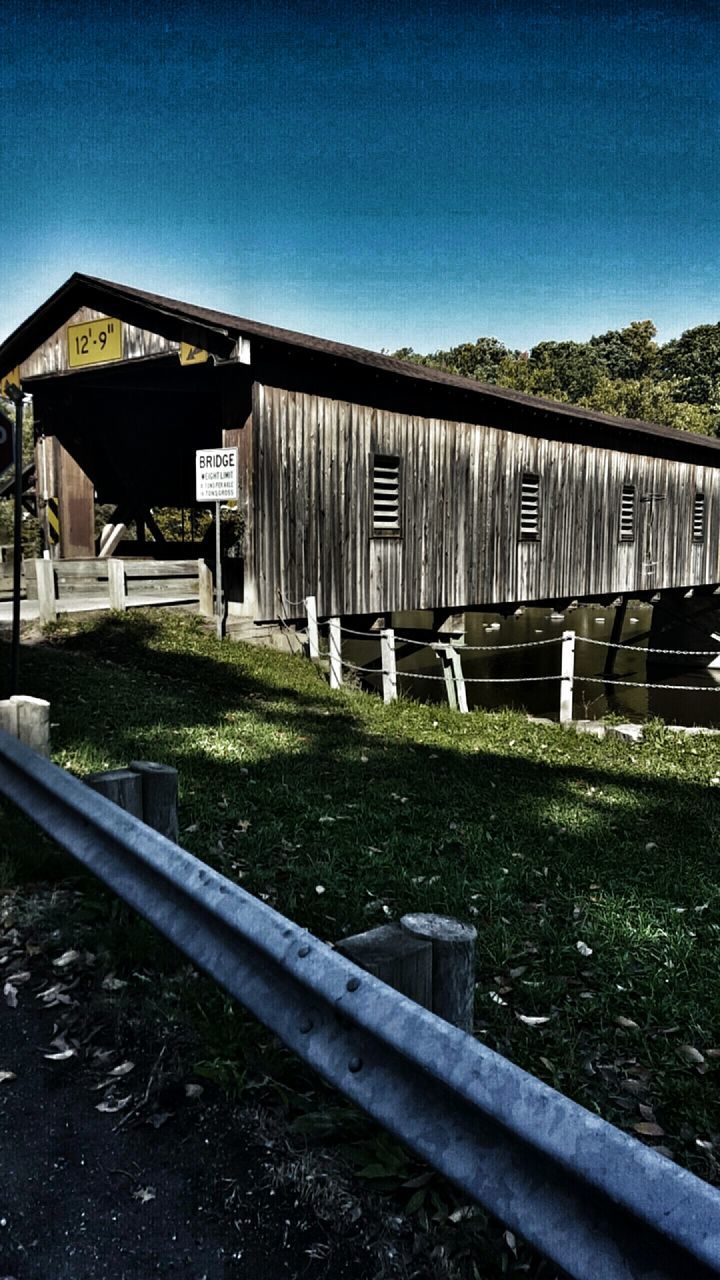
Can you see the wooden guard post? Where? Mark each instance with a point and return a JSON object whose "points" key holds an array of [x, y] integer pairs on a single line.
{"points": [[116, 584], [429, 958], [395, 957], [147, 790], [27, 719], [453, 964]]}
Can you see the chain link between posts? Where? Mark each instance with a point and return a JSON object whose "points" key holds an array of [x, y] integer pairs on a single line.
{"points": [[682, 653]]}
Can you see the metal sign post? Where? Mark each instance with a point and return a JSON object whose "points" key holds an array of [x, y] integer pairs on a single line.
{"points": [[219, 607], [216, 480]]}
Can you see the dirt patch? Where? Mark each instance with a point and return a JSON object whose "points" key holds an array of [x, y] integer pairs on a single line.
{"points": [[116, 1167]]}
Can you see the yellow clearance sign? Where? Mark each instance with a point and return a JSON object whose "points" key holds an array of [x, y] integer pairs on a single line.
{"points": [[192, 355], [11, 379], [94, 342]]}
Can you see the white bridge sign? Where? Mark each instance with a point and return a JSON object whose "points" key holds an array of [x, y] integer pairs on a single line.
{"points": [[216, 475]]}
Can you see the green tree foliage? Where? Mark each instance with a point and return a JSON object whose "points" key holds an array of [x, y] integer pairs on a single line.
{"points": [[650, 401], [622, 372], [628, 353], [480, 359], [692, 363]]}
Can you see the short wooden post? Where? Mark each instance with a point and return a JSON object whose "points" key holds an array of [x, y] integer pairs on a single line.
{"points": [[458, 678], [47, 600], [205, 590], [567, 675], [33, 722], [389, 667], [453, 965], [9, 717], [116, 584], [159, 796], [335, 647], [396, 957], [312, 627], [122, 786], [442, 651]]}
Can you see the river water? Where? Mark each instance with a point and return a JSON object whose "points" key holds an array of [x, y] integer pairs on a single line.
{"points": [[692, 699]]}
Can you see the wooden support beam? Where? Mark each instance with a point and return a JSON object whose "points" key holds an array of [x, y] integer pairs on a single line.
{"points": [[615, 636], [444, 656], [453, 964], [27, 719], [395, 956]]}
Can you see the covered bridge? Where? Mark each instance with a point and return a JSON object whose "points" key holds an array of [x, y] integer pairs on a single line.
{"points": [[373, 484]]}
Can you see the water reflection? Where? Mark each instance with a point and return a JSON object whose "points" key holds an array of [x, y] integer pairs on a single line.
{"points": [[678, 704]]}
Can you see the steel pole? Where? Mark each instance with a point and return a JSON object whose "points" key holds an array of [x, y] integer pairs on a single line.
{"points": [[218, 574]]}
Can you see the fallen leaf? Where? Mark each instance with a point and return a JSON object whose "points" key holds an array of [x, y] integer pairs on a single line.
{"points": [[496, 998], [647, 1113], [159, 1118], [712, 1053], [111, 1107], [649, 1129], [7, 1075], [548, 1065], [193, 1090], [68, 957], [531, 1022], [583, 948], [143, 1194], [510, 1241], [111, 983], [319, 888], [10, 993], [691, 1054], [18, 978], [627, 1023], [62, 1056], [123, 1069]]}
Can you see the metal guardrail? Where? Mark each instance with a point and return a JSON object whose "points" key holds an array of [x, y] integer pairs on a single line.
{"points": [[590, 1197]]}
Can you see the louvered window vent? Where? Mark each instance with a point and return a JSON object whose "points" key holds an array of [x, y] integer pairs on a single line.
{"points": [[627, 513], [530, 507], [698, 525], [385, 496]]}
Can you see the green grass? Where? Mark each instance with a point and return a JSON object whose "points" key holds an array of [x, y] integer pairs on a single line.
{"points": [[341, 813]]}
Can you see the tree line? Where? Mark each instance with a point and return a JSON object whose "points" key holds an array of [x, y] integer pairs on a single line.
{"points": [[623, 372]]}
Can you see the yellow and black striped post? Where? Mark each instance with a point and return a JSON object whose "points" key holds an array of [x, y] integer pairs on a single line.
{"points": [[52, 512]]}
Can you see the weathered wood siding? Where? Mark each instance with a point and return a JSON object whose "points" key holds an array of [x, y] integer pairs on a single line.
{"points": [[460, 513]]}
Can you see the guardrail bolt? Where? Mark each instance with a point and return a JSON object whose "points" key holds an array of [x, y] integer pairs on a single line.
{"points": [[353, 984], [303, 951], [354, 1065]]}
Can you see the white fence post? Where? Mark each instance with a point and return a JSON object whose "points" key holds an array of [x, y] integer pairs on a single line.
{"points": [[389, 669], [47, 601], [459, 679], [116, 583], [312, 627], [335, 646], [206, 605], [567, 675]]}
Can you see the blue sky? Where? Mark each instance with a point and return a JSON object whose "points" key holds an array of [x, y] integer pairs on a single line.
{"points": [[384, 174]]}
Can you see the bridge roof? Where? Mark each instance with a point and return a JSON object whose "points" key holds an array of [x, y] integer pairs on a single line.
{"points": [[218, 331]]}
